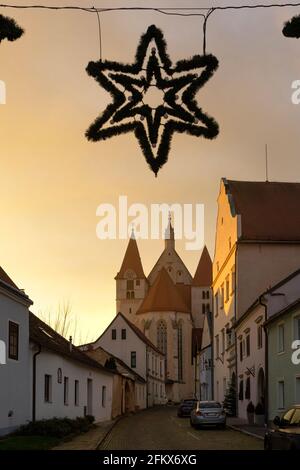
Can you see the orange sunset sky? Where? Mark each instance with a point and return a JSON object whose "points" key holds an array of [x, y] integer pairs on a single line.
{"points": [[52, 179]]}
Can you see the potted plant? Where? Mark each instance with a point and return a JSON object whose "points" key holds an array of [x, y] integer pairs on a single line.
{"points": [[250, 412], [259, 414]]}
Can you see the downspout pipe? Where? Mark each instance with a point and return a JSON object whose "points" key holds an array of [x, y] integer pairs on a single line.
{"points": [[34, 382], [264, 305]]}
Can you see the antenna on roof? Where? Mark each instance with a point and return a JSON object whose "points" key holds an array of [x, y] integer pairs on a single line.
{"points": [[266, 154]]}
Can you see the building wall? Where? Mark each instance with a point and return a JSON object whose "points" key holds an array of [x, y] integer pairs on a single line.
{"points": [[205, 370], [14, 375], [255, 361], [281, 367], [201, 302], [49, 363], [260, 266], [227, 230], [129, 306], [149, 322], [122, 348]]}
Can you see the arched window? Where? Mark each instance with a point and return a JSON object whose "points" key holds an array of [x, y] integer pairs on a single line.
{"points": [[59, 375], [248, 390], [180, 353], [162, 342]]}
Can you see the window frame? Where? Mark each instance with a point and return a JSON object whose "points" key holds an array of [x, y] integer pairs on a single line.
{"points": [[11, 355], [133, 359]]}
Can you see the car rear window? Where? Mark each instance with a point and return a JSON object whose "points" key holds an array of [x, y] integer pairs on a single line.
{"points": [[295, 421], [214, 404]]}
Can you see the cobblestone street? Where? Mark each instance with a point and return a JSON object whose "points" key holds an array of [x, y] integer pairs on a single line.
{"points": [[160, 428]]}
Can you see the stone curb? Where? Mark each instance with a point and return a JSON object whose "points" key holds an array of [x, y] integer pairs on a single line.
{"points": [[106, 434], [235, 428]]}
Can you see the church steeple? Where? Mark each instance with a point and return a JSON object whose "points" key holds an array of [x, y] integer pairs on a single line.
{"points": [[169, 235], [132, 260]]}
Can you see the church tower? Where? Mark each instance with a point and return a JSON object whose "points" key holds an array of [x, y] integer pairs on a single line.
{"points": [[131, 282], [201, 289]]}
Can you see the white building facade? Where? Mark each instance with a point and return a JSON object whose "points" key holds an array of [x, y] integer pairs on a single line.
{"points": [[125, 341], [15, 405]]}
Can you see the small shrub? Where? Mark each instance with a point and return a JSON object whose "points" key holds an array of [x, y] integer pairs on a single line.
{"points": [[56, 427]]}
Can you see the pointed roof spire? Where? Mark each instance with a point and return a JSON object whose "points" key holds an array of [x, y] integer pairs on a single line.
{"points": [[203, 274], [169, 234], [132, 259], [163, 296]]}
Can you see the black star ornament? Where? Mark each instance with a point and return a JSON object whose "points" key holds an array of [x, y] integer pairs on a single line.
{"points": [[129, 84]]}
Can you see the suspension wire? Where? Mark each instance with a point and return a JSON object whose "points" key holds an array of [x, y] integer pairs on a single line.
{"points": [[100, 33]]}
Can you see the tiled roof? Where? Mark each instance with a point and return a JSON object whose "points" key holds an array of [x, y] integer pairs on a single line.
{"points": [[131, 261], [5, 278], [203, 274], [270, 211], [163, 296], [42, 334]]}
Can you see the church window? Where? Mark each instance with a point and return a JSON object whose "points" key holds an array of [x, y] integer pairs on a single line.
{"points": [[170, 270], [248, 390], [180, 353], [130, 310], [113, 333], [130, 289], [241, 390], [130, 284]]}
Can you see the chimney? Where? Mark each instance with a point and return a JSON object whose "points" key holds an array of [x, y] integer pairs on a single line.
{"points": [[70, 343]]}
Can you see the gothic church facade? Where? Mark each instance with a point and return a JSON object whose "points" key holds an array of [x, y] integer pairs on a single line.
{"points": [[169, 307]]}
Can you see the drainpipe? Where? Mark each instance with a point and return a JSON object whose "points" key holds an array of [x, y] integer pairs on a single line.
{"points": [[234, 331], [266, 361], [34, 382], [147, 375]]}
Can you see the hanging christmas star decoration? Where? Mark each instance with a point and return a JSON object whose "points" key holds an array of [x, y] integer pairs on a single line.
{"points": [[291, 28], [9, 29], [129, 84]]}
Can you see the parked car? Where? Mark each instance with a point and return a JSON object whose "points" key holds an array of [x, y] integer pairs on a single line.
{"points": [[208, 413], [186, 407], [286, 434]]}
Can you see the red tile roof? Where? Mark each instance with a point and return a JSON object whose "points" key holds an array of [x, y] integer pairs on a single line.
{"points": [[132, 260], [163, 296], [203, 274], [270, 211]]}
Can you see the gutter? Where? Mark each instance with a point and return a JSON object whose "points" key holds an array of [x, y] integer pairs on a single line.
{"points": [[34, 382], [266, 361]]}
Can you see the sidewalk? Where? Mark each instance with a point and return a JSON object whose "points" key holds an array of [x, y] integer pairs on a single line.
{"points": [[251, 429], [89, 440]]}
